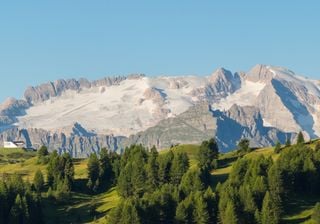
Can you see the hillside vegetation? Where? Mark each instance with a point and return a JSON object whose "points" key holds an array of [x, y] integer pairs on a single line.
{"points": [[104, 201]]}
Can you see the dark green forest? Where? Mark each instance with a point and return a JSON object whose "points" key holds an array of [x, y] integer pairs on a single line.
{"points": [[167, 187]]}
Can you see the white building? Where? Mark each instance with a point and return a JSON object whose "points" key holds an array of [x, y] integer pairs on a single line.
{"points": [[14, 144]]}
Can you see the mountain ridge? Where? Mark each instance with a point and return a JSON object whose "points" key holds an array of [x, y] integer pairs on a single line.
{"points": [[266, 103]]}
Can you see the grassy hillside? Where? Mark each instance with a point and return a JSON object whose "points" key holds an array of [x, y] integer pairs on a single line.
{"points": [[82, 206], [298, 210], [79, 208]]}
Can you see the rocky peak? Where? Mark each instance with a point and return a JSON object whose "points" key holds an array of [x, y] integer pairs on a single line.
{"points": [[260, 73], [222, 82], [43, 92]]}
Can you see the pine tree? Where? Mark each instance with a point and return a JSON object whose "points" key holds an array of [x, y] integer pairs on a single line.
{"points": [[165, 163], [124, 185], [230, 215], [38, 181], [152, 169], [200, 214], [182, 213], [300, 138], [275, 183], [93, 170], [191, 182], [243, 145], [19, 211], [277, 148], [114, 215], [42, 152], [208, 152], [270, 213], [129, 214], [316, 213], [180, 165]]}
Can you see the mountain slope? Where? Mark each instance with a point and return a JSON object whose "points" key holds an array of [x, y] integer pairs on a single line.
{"points": [[265, 104]]}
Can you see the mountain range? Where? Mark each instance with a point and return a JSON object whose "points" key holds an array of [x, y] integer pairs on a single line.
{"points": [[266, 104]]}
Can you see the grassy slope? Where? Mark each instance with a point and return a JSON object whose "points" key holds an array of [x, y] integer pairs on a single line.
{"points": [[298, 210], [80, 206]]}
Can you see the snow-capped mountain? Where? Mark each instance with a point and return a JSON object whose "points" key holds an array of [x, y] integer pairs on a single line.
{"points": [[266, 104]]}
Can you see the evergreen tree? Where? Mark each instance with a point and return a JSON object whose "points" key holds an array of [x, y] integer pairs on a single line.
{"points": [[180, 165], [114, 216], [288, 142], [183, 213], [208, 153], [125, 187], [106, 173], [275, 182], [200, 214], [230, 215], [68, 171], [191, 182], [165, 163], [38, 181], [129, 213], [42, 152], [277, 148], [93, 171], [19, 211], [43, 155], [300, 138], [152, 169], [270, 213], [243, 145], [316, 213]]}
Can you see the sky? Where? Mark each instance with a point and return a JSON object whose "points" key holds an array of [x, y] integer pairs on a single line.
{"points": [[42, 40]]}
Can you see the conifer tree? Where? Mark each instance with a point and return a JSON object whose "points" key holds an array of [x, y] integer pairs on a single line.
{"points": [[270, 213], [182, 215], [200, 214], [129, 214], [300, 138], [180, 165], [243, 145], [152, 169], [230, 215], [208, 152], [93, 171], [275, 183], [165, 163], [38, 181], [277, 148]]}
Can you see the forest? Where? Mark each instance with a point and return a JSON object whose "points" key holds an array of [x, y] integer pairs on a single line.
{"points": [[172, 186]]}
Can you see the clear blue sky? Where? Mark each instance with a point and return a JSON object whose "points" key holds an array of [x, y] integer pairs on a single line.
{"points": [[42, 40]]}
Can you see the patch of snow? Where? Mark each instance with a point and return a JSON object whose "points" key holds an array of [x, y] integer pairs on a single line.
{"points": [[119, 109], [245, 96], [267, 123]]}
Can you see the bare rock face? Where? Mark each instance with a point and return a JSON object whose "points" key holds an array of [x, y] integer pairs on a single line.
{"points": [[78, 146], [200, 123], [220, 84], [266, 104], [10, 109], [260, 73], [193, 126], [34, 95]]}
